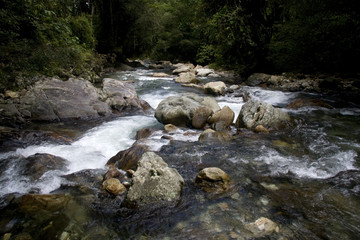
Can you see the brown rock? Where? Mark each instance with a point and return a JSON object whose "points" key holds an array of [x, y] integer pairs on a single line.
{"points": [[261, 129], [187, 77], [128, 159], [308, 103], [170, 128], [161, 75], [200, 117], [213, 179], [113, 186], [215, 88], [263, 226], [143, 133], [113, 172], [210, 135], [11, 94], [225, 115], [48, 202]]}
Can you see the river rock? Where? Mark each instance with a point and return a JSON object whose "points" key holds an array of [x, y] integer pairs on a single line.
{"points": [[56, 100], [170, 128], [257, 78], [263, 226], [181, 68], [113, 186], [210, 135], [254, 113], [193, 85], [215, 88], [113, 172], [261, 129], [31, 203], [11, 94], [213, 179], [186, 77], [203, 72], [161, 75], [36, 165], [144, 133], [121, 96], [129, 158], [225, 115], [201, 116], [154, 182], [179, 110], [308, 103]]}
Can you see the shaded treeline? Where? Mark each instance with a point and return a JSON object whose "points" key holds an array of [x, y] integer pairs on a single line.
{"points": [[54, 37]]}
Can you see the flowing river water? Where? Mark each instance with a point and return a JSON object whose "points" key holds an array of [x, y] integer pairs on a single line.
{"points": [[305, 179]]}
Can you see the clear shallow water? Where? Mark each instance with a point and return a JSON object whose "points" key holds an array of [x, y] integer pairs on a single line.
{"points": [[324, 143]]}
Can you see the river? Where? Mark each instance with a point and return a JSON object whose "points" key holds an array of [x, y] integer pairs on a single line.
{"points": [[305, 179]]}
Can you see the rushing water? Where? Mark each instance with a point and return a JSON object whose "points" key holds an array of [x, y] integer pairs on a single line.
{"points": [[305, 179]]}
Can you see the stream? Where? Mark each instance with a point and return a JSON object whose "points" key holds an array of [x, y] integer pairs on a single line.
{"points": [[305, 179]]}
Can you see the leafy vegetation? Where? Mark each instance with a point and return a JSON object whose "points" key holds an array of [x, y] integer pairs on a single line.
{"points": [[54, 37]]}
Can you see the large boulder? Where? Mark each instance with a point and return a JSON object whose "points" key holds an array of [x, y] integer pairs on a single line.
{"points": [[203, 72], [215, 88], [180, 110], [121, 96], [154, 182], [255, 113], [56, 100], [186, 77]]}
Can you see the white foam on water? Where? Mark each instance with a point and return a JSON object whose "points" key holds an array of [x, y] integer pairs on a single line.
{"points": [[91, 151], [270, 96]]}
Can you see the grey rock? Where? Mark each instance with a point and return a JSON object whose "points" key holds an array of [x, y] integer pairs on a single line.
{"points": [[255, 113], [179, 110], [154, 182]]}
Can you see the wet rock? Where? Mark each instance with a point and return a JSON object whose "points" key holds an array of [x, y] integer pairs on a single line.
{"points": [[87, 181], [181, 68], [38, 164], [136, 63], [215, 88], [201, 116], [113, 186], [179, 110], [193, 85], [203, 72], [308, 103], [213, 179], [257, 79], [129, 158], [225, 115], [144, 133], [261, 129], [154, 182], [161, 75], [210, 135], [255, 113], [49, 202], [263, 226], [170, 128], [113, 172], [187, 77], [121, 96], [125, 67]]}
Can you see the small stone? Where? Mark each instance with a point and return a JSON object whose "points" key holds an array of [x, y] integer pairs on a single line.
{"points": [[271, 187], [261, 129], [170, 128], [7, 236], [11, 94], [113, 172], [113, 186], [213, 179], [161, 75]]}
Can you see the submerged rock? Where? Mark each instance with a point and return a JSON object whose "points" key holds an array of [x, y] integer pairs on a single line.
{"points": [[263, 226], [180, 110], [161, 75], [38, 164], [170, 128], [213, 179], [49, 202], [308, 103], [255, 113], [154, 182]]}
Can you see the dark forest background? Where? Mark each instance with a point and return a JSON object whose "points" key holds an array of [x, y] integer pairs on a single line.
{"points": [[75, 37]]}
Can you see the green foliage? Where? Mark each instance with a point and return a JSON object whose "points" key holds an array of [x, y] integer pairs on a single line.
{"points": [[43, 37]]}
